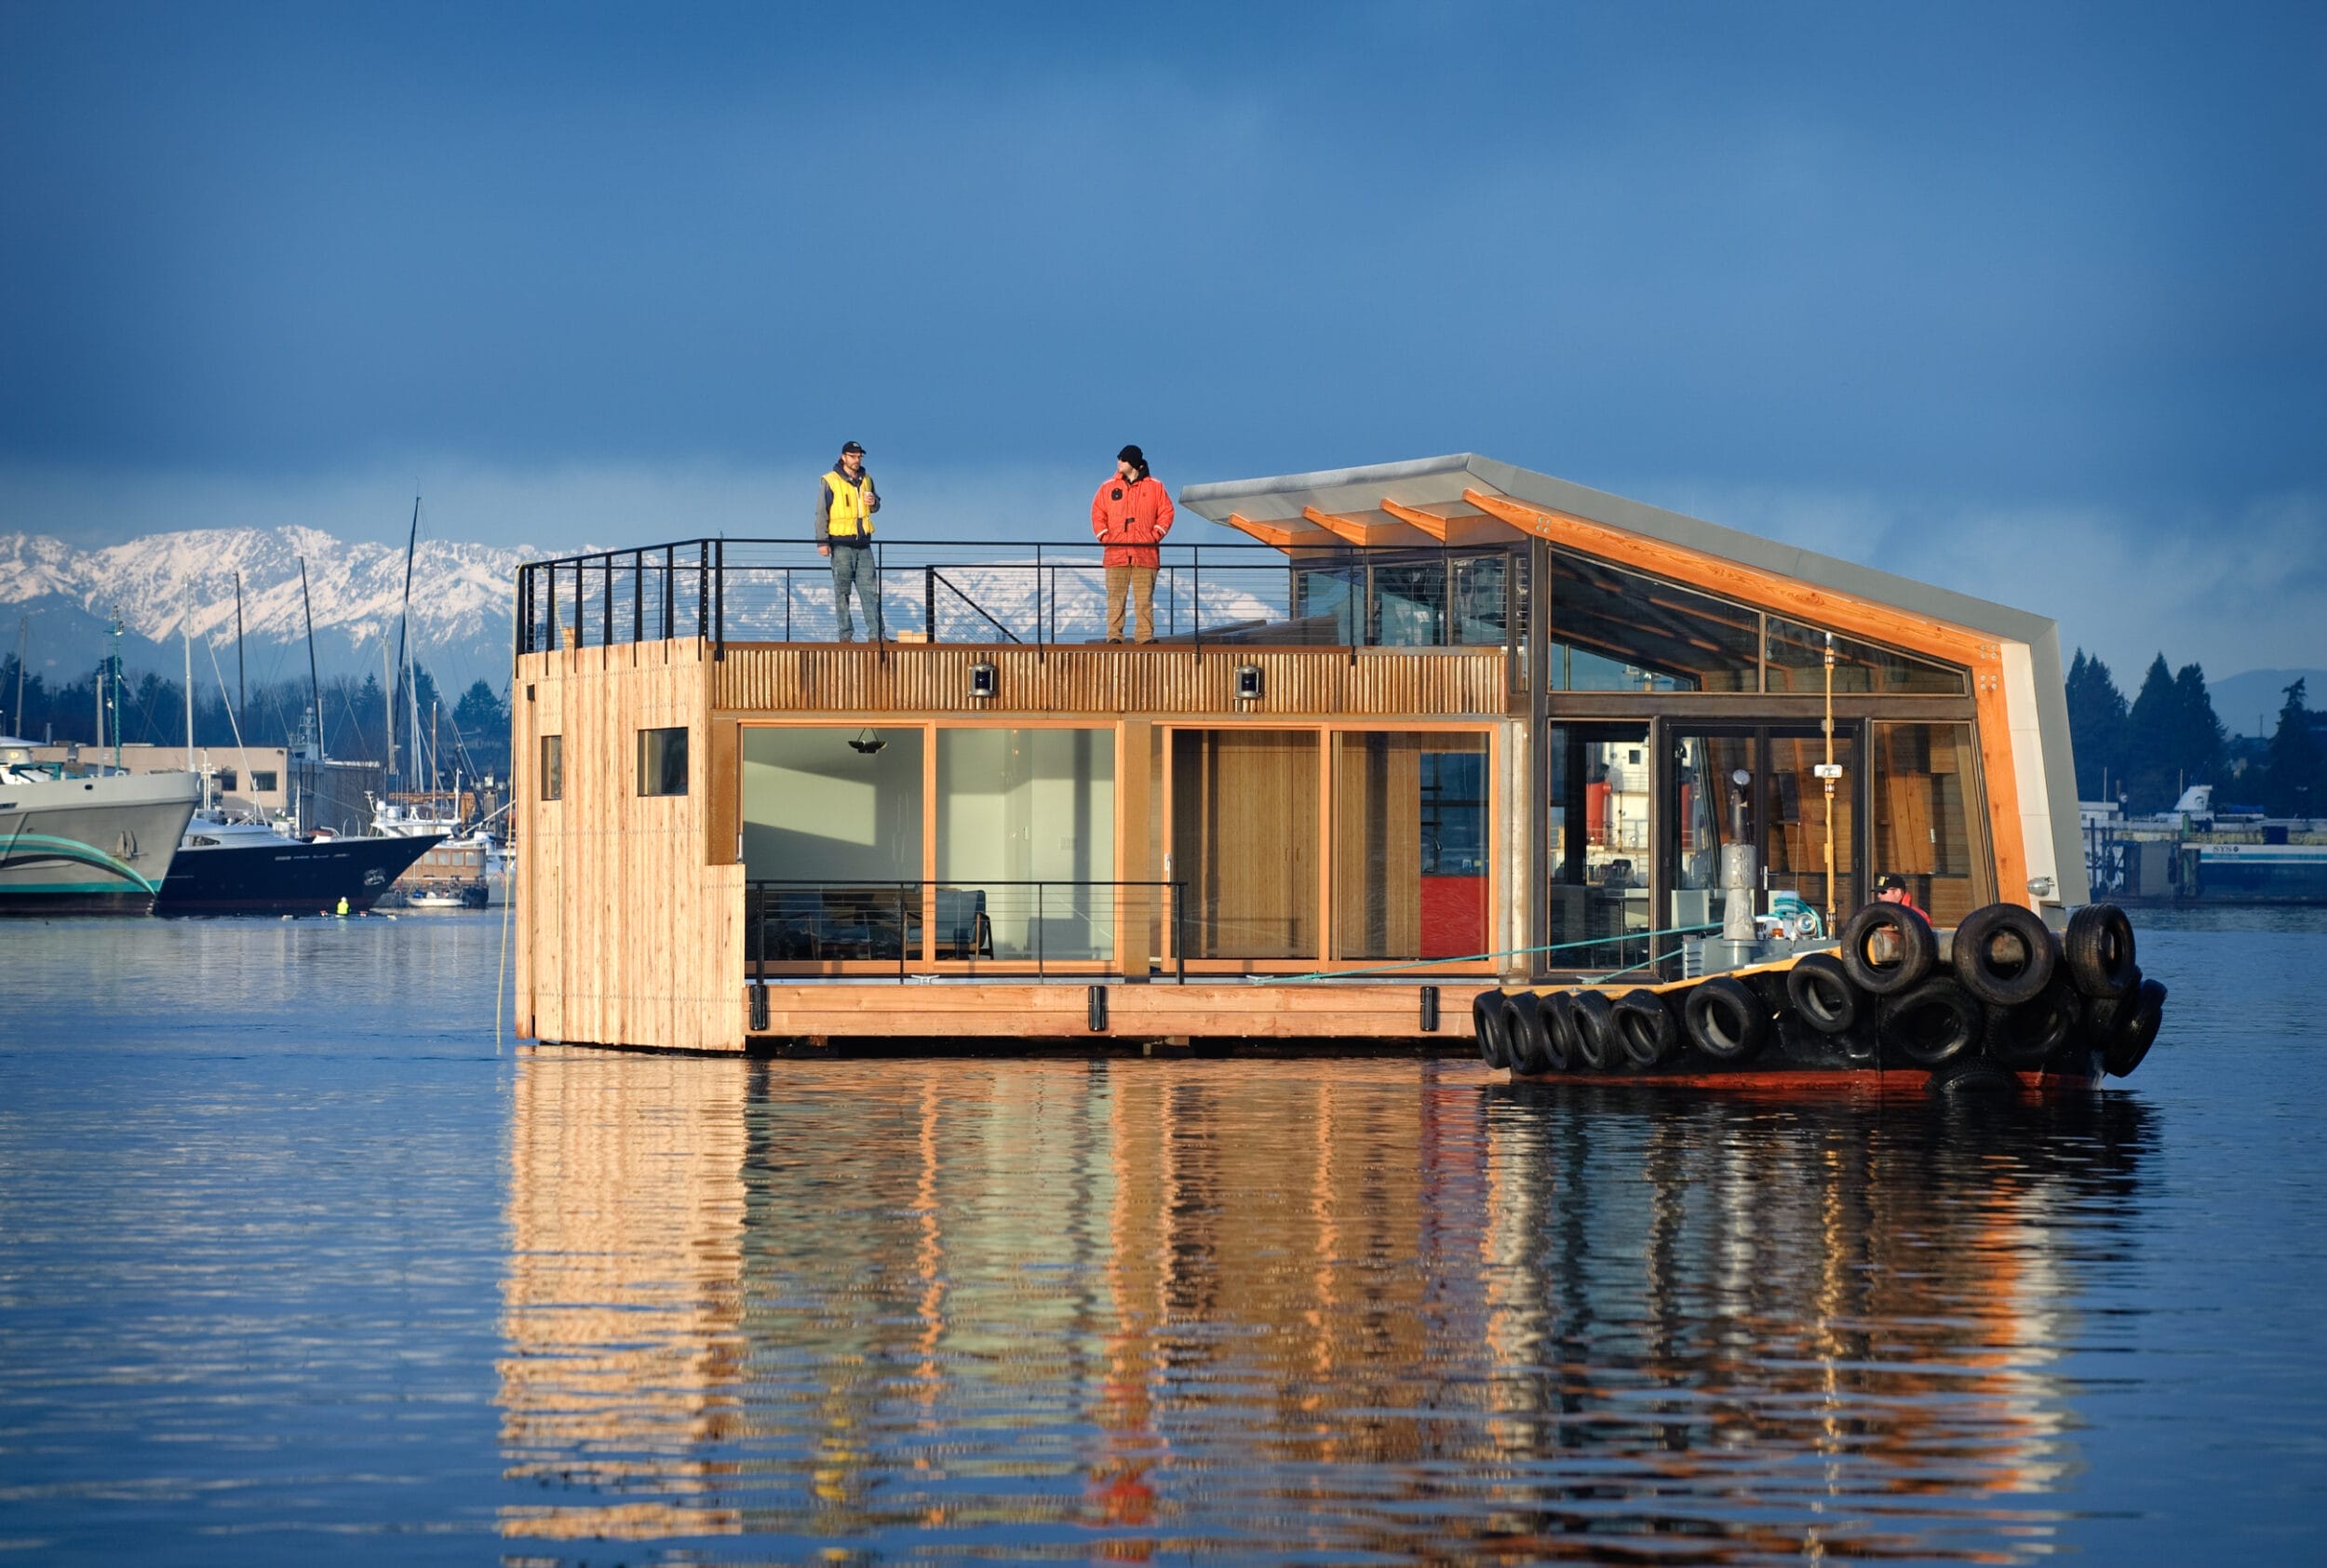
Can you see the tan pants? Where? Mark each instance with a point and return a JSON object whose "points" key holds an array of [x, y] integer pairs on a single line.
{"points": [[1141, 580]]}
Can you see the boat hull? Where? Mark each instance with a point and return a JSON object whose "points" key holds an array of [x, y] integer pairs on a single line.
{"points": [[292, 877], [98, 846]]}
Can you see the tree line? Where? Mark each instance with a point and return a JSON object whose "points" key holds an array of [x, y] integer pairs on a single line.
{"points": [[2147, 752], [151, 709]]}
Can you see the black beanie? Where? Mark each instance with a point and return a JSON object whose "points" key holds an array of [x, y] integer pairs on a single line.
{"points": [[1135, 457]]}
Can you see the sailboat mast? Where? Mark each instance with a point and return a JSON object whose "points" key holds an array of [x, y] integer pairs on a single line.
{"points": [[403, 635], [186, 633], [242, 693], [315, 682]]}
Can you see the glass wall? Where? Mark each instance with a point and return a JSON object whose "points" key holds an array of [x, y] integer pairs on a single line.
{"points": [[1411, 846], [833, 816], [1797, 662], [1617, 631], [1601, 785], [1025, 845], [1924, 828], [1245, 840]]}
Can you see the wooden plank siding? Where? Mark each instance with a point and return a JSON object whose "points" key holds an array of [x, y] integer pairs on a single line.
{"points": [[629, 919], [768, 679]]}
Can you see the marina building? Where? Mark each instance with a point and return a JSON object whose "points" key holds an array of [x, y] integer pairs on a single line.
{"points": [[1438, 723]]}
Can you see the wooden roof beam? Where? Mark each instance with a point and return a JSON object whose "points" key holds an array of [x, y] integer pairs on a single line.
{"points": [[1358, 529], [1285, 533]]}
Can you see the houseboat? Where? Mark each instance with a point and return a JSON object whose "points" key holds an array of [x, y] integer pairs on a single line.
{"points": [[1416, 747]]}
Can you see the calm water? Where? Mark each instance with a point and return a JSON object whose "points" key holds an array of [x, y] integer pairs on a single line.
{"points": [[293, 1263]]}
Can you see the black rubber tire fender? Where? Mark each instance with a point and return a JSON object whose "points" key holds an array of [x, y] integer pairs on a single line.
{"points": [[2098, 949], [1725, 1020], [1910, 934], [1487, 1026], [1820, 990], [2101, 1013], [1523, 1023], [1559, 1030], [2136, 1031], [1645, 1030], [1596, 1030], [1982, 958], [2022, 1038], [1933, 1023]]}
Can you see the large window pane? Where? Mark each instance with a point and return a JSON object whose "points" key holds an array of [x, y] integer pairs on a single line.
{"points": [[1925, 817], [833, 815], [1615, 630], [1411, 846], [1025, 845], [1796, 843], [1797, 662], [1600, 793], [1244, 826]]}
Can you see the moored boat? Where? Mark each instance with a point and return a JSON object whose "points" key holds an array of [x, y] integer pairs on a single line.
{"points": [[96, 843], [247, 869]]}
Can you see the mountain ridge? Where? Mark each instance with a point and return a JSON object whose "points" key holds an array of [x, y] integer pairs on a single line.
{"points": [[182, 582]]}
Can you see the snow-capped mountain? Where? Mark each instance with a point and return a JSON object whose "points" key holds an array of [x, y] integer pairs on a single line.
{"points": [[164, 585]]}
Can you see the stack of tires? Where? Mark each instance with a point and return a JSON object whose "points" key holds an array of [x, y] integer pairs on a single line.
{"points": [[2009, 998]]}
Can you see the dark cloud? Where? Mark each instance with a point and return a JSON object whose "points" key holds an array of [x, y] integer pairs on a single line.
{"points": [[2014, 256]]}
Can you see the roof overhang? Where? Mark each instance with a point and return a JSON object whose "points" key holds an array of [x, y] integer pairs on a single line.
{"points": [[1435, 487]]}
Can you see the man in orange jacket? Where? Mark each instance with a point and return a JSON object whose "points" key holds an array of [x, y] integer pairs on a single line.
{"points": [[1130, 515]]}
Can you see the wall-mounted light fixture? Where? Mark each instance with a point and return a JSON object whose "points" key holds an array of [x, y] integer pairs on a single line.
{"points": [[1249, 683], [984, 679]]}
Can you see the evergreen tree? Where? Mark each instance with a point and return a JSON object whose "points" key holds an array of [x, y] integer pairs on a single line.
{"points": [[2293, 783], [2151, 727], [2096, 728], [2198, 734]]}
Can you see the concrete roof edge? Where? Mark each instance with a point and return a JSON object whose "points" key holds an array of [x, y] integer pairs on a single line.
{"points": [[1206, 499]]}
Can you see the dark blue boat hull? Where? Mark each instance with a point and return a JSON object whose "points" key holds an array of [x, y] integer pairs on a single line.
{"points": [[291, 877]]}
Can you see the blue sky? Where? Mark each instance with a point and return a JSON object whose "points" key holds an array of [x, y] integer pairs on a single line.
{"points": [[2022, 299]]}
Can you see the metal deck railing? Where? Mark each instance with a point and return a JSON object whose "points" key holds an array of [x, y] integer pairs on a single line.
{"points": [[991, 928], [1041, 596]]}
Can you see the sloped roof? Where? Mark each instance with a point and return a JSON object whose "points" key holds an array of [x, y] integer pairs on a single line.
{"points": [[1346, 505]]}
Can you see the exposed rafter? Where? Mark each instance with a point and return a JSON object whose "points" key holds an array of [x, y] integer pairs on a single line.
{"points": [[1285, 533], [1357, 528]]}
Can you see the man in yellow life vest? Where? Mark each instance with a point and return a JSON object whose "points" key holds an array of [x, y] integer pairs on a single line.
{"points": [[845, 502]]}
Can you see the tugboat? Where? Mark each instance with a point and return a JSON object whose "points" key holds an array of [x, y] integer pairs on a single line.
{"points": [[247, 869], [85, 844], [1997, 1003]]}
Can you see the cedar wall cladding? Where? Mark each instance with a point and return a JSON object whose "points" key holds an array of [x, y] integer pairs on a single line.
{"points": [[629, 919], [789, 679]]}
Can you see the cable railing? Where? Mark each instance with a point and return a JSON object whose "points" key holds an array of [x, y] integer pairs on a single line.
{"points": [[983, 927], [1037, 596]]}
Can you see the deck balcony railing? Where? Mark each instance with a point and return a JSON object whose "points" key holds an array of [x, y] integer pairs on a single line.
{"points": [[1039, 596], [985, 927]]}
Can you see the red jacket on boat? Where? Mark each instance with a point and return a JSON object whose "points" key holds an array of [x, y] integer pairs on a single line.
{"points": [[1131, 516]]}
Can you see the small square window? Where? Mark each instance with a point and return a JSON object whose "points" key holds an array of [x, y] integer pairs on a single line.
{"points": [[262, 780], [226, 779], [663, 761], [553, 767]]}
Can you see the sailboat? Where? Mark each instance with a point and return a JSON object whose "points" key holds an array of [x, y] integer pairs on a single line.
{"points": [[225, 866]]}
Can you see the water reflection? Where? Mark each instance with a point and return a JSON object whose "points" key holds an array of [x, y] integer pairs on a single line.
{"points": [[1285, 1309]]}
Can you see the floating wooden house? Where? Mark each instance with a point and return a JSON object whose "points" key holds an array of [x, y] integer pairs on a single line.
{"points": [[1433, 724]]}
